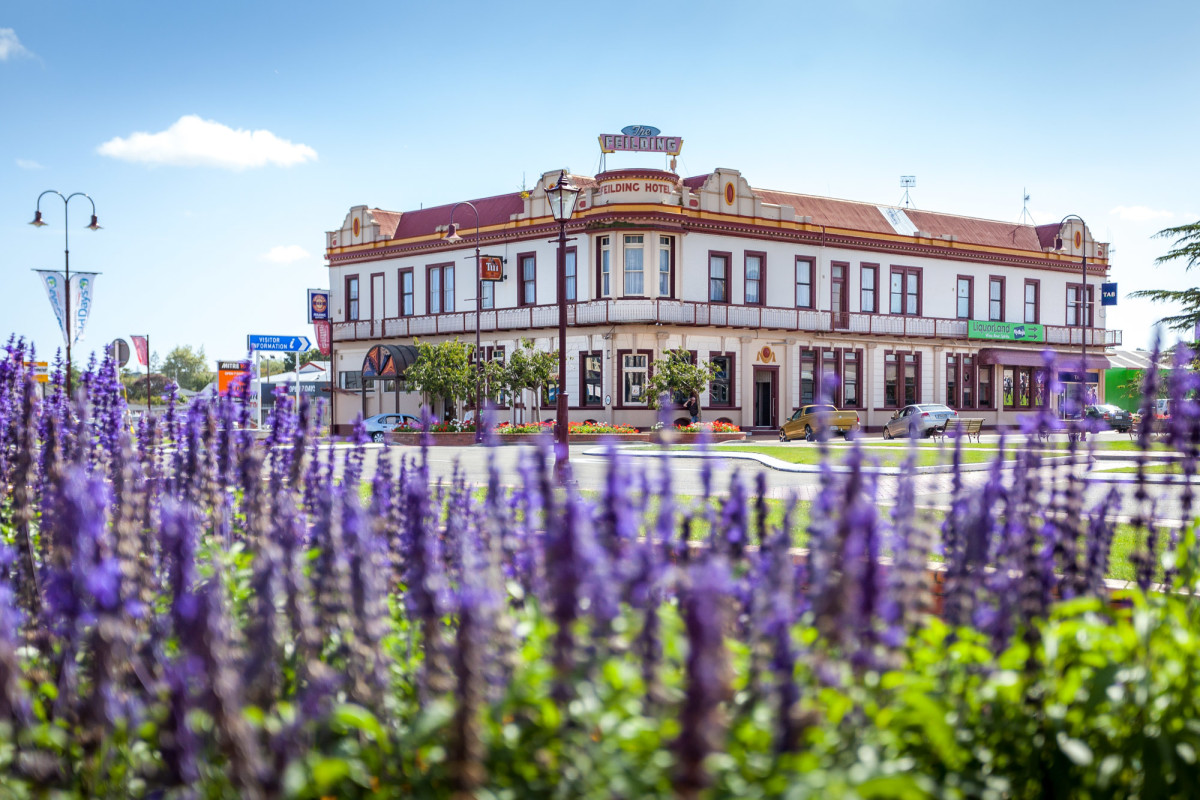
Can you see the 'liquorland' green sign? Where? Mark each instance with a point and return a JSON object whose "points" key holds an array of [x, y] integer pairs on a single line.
{"points": [[1009, 331]]}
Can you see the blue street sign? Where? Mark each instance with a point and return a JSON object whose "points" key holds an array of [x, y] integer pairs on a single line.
{"points": [[1108, 294], [279, 344]]}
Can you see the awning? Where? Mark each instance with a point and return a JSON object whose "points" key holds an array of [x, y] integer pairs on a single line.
{"points": [[1034, 358], [388, 360]]}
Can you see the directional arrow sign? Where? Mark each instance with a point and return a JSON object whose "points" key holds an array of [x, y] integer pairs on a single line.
{"points": [[282, 344]]}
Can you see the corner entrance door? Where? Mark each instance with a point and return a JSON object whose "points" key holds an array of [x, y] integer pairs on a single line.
{"points": [[765, 398]]}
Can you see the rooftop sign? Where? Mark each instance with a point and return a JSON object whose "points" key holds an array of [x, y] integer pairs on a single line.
{"points": [[641, 142]]}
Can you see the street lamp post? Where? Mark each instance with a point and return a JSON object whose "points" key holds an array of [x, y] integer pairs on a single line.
{"points": [[562, 197], [94, 226], [452, 236], [1083, 307]]}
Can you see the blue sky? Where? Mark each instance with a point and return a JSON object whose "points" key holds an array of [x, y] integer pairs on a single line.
{"points": [[220, 140]]}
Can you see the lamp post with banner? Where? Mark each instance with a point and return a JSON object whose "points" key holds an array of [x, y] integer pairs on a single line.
{"points": [[562, 197], [453, 237], [1084, 326], [93, 226]]}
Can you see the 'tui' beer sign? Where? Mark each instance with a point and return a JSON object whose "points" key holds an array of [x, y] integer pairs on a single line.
{"points": [[640, 139]]}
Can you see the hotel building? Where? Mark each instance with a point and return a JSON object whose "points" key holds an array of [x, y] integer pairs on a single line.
{"points": [[779, 289]]}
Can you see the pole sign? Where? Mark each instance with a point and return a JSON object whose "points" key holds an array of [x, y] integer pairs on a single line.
{"points": [[1008, 331], [1108, 294], [318, 305], [279, 344], [119, 350], [491, 268], [233, 378]]}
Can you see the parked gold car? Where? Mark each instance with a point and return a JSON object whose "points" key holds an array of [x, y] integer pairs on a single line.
{"points": [[807, 420]]}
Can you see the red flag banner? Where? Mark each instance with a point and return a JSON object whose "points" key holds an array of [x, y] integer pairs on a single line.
{"points": [[324, 336], [142, 346]]}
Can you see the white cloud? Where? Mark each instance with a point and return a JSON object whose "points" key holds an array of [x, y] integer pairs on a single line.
{"points": [[25, 163], [285, 254], [10, 45], [1140, 213], [199, 142]]}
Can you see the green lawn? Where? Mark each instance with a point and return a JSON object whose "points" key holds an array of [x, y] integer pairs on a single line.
{"points": [[1121, 445], [806, 453], [1156, 468]]}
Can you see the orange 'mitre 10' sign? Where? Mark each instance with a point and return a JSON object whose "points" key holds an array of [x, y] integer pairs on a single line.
{"points": [[228, 373]]}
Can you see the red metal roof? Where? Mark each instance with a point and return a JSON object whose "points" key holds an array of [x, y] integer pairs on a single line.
{"points": [[867, 217]]}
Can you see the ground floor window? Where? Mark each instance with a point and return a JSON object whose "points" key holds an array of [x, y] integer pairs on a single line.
{"points": [[832, 375], [354, 381], [967, 385], [635, 375], [986, 393], [952, 381], [720, 391], [901, 379], [591, 379], [1023, 387]]}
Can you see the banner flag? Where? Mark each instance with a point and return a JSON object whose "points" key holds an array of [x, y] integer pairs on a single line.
{"points": [[322, 328], [56, 290], [83, 288], [142, 345]]}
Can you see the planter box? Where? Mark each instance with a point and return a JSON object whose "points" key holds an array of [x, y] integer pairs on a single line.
{"points": [[414, 439], [674, 437]]}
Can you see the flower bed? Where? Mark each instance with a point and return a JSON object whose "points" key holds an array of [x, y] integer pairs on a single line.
{"points": [[174, 624]]}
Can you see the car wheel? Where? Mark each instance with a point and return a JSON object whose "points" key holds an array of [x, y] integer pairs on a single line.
{"points": [[377, 437], [808, 433], [887, 434], [782, 437]]}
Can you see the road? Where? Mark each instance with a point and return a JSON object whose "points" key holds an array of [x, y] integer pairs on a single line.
{"points": [[589, 465]]}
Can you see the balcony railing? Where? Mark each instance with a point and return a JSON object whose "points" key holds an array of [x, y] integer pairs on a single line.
{"points": [[679, 312]]}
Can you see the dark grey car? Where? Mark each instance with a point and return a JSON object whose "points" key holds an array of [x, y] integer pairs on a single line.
{"points": [[924, 418]]}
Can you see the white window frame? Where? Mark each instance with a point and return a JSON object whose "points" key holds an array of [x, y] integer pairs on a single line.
{"points": [[634, 365], [664, 266]]}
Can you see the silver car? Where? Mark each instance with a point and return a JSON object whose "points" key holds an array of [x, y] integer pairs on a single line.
{"points": [[380, 424], [924, 419]]}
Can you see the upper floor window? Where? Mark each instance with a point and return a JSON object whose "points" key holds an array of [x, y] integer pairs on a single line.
{"points": [[352, 297], [635, 274], [906, 291], [1032, 310], [1075, 315], [718, 277], [441, 289], [527, 288], [407, 300], [604, 274], [487, 294], [755, 279], [965, 301], [868, 301], [666, 247], [995, 299], [804, 283], [569, 258]]}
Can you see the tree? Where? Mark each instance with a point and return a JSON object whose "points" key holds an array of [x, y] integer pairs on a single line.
{"points": [[530, 368], [1186, 247], [188, 368], [289, 359], [675, 375], [443, 370]]}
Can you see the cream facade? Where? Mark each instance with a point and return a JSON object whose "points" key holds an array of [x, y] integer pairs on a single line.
{"points": [[781, 289]]}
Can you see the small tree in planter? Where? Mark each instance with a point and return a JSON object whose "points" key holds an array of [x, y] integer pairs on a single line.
{"points": [[443, 370], [528, 368], [675, 374]]}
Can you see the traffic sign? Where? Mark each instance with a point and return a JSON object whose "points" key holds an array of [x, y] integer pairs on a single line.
{"points": [[279, 344], [119, 350]]}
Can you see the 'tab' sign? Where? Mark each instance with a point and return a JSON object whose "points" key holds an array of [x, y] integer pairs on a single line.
{"points": [[1108, 294]]}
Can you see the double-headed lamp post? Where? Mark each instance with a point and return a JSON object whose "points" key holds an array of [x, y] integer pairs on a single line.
{"points": [[93, 226], [1083, 304], [452, 236], [562, 197]]}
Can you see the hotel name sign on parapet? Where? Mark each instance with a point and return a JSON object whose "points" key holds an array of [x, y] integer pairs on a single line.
{"points": [[640, 139]]}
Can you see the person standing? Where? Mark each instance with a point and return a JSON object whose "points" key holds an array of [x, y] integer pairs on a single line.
{"points": [[693, 407]]}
